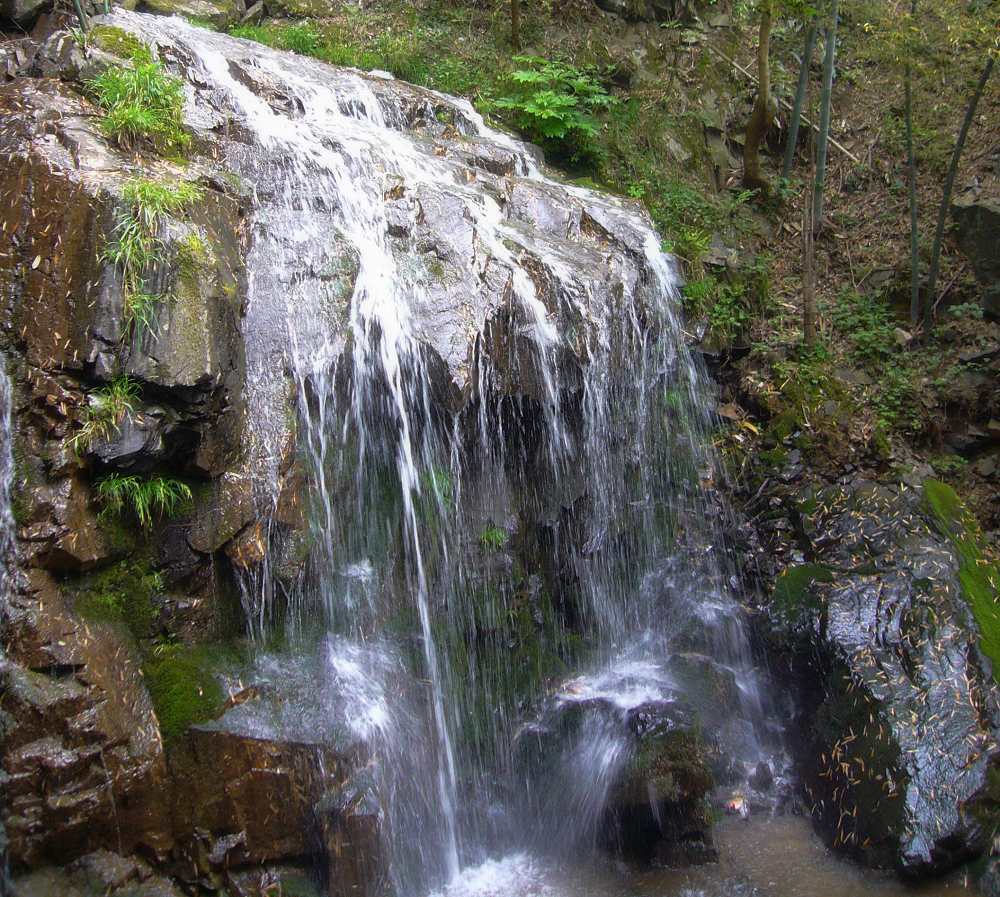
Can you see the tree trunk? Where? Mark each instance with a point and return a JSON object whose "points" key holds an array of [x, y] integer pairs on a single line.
{"points": [[824, 117], [760, 119], [911, 167], [800, 94], [515, 25], [949, 183]]}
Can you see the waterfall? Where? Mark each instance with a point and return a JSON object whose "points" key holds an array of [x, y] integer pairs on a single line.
{"points": [[505, 437]]}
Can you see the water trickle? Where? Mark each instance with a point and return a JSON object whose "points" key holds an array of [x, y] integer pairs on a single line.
{"points": [[483, 374]]}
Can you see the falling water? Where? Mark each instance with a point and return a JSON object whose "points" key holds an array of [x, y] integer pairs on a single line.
{"points": [[506, 440]]}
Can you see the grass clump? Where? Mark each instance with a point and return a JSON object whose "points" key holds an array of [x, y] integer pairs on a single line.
{"points": [[493, 538], [183, 688], [141, 102], [137, 244], [107, 409], [146, 498], [978, 572]]}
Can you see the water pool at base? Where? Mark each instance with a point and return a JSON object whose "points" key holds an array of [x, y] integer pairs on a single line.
{"points": [[776, 857]]}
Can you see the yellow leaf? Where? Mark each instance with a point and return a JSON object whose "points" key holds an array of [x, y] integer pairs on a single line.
{"points": [[750, 427]]}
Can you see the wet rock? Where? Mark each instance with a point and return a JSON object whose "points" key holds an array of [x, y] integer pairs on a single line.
{"points": [[658, 807], [23, 12], [899, 711], [84, 758], [255, 795]]}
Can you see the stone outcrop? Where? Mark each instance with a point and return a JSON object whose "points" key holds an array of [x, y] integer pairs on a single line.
{"points": [[977, 230], [898, 706]]}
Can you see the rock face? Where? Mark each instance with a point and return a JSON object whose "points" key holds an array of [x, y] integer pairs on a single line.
{"points": [[899, 710], [977, 229]]}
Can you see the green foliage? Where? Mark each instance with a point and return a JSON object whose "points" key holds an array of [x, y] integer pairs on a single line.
{"points": [[146, 498], [493, 538], [105, 412], [141, 102], [137, 244], [183, 688], [554, 104], [868, 325], [979, 571]]}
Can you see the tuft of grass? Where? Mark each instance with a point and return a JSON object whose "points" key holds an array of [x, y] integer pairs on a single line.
{"points": [[978, 572], [493, 538], [105, 412], [141, 102], [146, 498], [137, 245]]}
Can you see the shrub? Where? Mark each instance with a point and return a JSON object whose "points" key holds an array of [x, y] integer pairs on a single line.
{"points": [[146, 498], [142, 102], [554, 104]]}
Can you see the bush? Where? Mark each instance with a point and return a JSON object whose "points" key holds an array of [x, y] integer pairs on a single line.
{"points": [[137, 244], [554, 104]]}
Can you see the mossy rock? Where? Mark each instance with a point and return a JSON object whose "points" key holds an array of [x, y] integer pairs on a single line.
{"points": [[795, 596], [218, 13], [184, 688], [674, 764], [122, 592], [118, 42], [978, 573]]}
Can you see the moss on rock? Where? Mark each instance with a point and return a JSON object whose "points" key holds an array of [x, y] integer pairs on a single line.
{"points": [[978, 573], [119, 42], [183, 688]]}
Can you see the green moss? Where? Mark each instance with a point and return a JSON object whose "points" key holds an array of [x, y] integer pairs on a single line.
{"points": [[119, 42], [978, 573], [122, 592], [183, 688]]}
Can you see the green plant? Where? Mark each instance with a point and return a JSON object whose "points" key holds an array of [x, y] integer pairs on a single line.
{"points": [[554, 104], [141, 102], [105, 412], [137, 245], [493, 538], [146, 498]]}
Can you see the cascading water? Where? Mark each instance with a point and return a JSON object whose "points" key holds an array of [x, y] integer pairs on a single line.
{"points": [[505, 438]]}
